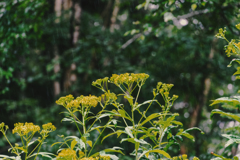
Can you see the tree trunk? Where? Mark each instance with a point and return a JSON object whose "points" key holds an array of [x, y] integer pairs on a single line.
{"points": [[114, 15], [207, 85], [70, 77], [56, 84]]}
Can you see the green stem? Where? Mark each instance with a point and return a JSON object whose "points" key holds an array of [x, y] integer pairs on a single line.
{"points": [[76, 123], [98, 138], [10, 144], [146, 110], [34, 149], [39, 148], [84, 130]]}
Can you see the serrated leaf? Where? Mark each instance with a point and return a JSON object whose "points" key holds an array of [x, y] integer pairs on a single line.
{"points": [[222, 113], [229, 142], [230, 101]]}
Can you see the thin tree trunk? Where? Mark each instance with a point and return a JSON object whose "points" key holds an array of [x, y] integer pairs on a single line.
{"points": [[75, 32], [106, 14], [207, 85], [204, 97], [114, 15], [56, 84]]}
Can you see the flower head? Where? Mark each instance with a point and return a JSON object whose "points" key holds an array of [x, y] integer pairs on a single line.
{"points": [[47, 128], [90, 101], [67, 154], [89, 158], [128, 78], [24, 129], [108, 97], [232, 48]]}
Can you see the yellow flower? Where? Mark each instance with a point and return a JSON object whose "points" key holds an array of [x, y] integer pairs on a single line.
{"points": [[105, 158], [108, 97], [81, 154], [23, 130], [2, 126], [65, 100], [128, 78], [89, 158], [67, 154], [183, 157], [90, 101], [196, 158], [47, 128], [238, 26]]}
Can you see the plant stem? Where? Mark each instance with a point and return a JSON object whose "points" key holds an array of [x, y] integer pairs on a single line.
{"points": [[98, 137], [84, 130], [76, 123], [10, 143]]}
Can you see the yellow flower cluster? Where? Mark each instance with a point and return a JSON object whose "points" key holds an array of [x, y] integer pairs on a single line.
{"points": [[108, 97], [221, 33], [233, 48], [2, 127], [164, 89], [69, 102], [89, 158], [105, 158], [128, 78], [65, 100], [100, 82], [47, 128], [67, 154], [24, 129], [182, 157], [238, 26], [90, 101]]}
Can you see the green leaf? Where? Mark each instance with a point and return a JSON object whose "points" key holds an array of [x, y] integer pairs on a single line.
{"points": [[155, 151], [149, 118], [219, 157], [118, 132], [114, 149], [139, 105], [44, 154], [12, 157], [73, 144], [134, 140], [89, 143], [128, 131], [222, 113], [230, 101], [232, 137], [234, 60], [71, 120]]}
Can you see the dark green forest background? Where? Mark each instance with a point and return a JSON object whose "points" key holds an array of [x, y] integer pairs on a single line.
{"points": [[51, 48]]}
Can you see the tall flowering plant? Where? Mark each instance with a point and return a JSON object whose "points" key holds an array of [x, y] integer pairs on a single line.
{"points": [[229, 103], [26, 132], [151, 133]]}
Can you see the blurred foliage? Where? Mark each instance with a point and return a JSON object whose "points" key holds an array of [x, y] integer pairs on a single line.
{"points": [[171, 40]]}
